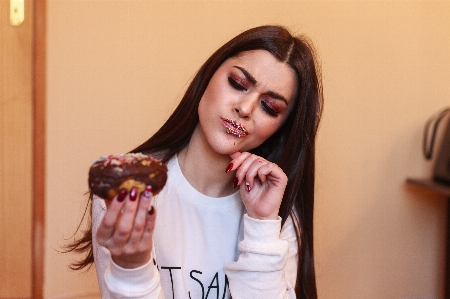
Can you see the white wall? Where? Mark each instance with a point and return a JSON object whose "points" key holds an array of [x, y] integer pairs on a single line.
{"points": [[116, 69]]}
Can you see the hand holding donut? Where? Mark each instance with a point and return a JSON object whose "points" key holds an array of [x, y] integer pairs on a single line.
{"points": [[127, 228], [262, 184], [127, 182]]}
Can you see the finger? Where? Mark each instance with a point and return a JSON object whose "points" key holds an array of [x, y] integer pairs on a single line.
{"points": [[141, 215], [250, 162], [255, 171], [238, 158], [125, 224], [241, 164], [235, 163], [113, 213], [235, 155], [146, 240], [273, 174], [265, 170]]}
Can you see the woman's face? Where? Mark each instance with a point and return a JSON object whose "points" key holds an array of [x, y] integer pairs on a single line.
{"points": [[247, 99]]}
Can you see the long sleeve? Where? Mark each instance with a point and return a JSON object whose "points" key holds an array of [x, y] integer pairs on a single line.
{"points": [[114, 281], [267, 264]]}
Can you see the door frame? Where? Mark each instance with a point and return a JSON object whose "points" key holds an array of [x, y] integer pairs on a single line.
{"points": [[39, 148]]}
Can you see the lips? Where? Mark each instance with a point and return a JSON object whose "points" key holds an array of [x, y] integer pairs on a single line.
{"points": [[234, 128]]}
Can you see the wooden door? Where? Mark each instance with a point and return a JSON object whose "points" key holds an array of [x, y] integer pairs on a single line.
{"points": [[17, 155]]}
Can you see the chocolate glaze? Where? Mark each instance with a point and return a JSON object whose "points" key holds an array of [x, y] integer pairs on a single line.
{"points": [[108, 173]]}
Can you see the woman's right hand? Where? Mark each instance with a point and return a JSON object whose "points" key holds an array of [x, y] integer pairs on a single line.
{"points": [[127, 228]]}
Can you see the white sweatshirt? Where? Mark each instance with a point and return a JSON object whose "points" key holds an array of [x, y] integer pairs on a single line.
{"points": [[204, 247]]}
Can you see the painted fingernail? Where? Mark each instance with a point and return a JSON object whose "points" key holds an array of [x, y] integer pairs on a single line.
{"points": [[151, 211], [229, 167], [247, 186], [133, 194], [122, 195], [236, 182], [147, 192]]}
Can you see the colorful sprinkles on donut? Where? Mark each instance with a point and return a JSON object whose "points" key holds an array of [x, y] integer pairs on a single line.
{"points": [[130, 158]]}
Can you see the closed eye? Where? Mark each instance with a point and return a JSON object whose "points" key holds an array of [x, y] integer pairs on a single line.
{"points": [[268, 109], [236, 85]]}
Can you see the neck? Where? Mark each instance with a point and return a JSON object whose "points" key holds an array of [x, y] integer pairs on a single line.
{"points": [[204, 168]]}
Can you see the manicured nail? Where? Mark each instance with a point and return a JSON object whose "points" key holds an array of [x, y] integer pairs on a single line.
{"points": [[122, 195], [133, 194], [247, 186], [236, 182], [229, 167], [151, 211], [147, 192]]}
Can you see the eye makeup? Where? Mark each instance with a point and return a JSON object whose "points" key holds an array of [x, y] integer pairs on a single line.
{"points": [[271, 103], [270, 107], [237, 84]]}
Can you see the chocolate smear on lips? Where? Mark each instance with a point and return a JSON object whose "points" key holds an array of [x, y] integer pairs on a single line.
{"points": [[234, 128]]}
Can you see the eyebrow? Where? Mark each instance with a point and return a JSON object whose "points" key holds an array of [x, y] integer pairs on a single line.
{"points": [[253, 81]]}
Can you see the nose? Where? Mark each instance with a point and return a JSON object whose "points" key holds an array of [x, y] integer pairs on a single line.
{"points": [[245, 106]]}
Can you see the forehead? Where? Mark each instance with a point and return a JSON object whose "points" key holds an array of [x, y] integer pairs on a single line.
{"points": [[270, 74]]}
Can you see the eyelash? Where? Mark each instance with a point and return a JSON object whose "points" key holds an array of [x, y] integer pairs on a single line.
{"points": [[269, 110], [236, 85], [264, 105]]}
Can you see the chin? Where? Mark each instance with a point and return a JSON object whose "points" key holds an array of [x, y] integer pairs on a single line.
{"points": [[226, 150], [231, 146], [225, 146]]}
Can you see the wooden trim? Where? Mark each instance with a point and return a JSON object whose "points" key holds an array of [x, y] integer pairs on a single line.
{"points": [[39, 134]]}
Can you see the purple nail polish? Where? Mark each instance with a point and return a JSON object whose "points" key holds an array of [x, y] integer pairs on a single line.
{"points": [[247, 186], [147, 192], [133, 194], [229, 167], [122, 195]]}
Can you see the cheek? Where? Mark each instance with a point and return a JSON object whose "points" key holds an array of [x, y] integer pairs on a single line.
{"points": [[206, 104], [214, 99], [267, 133], [267, 128], [213, 91]]}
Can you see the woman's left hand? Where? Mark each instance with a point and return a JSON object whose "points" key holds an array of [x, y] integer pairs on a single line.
{"points": [[262, 184]]}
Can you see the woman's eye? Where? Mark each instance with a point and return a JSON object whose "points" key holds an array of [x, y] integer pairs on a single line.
{"points": [[236, 85], [266, 107]]}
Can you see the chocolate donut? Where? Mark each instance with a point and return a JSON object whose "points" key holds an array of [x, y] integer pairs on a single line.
{"points": [[110, 174]]}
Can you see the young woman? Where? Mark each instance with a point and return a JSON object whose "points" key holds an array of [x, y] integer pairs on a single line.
{"points": [[235, 218]]}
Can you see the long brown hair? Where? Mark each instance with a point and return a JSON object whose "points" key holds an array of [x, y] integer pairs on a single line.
{"points": [[292, 147]]}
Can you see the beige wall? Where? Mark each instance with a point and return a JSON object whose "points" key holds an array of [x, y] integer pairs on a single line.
{"points": [[117, 68]]}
